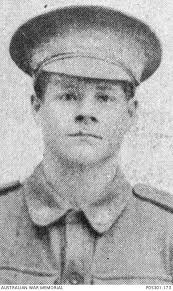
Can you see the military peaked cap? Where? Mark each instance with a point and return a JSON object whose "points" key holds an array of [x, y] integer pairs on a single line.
{"points": [[87, 41]]}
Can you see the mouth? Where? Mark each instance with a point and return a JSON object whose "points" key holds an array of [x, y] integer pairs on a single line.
{"points": [[83, 134]]}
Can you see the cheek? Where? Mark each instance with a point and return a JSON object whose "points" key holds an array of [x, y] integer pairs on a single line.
{"points": [[56, 117], [116, 122]]}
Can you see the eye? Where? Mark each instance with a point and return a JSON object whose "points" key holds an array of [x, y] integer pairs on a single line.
{"points": [[103, 97], [68, 97]]}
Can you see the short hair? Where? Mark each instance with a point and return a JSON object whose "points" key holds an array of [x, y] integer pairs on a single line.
{"points": [[40, 84], [42, 80]]}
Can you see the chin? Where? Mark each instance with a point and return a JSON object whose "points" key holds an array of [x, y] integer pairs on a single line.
{"points": [[82, 156]]}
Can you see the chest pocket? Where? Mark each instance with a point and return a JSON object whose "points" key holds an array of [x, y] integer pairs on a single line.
{"points": [[17, 277]]}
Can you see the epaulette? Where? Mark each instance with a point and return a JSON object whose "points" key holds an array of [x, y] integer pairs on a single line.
{"points": [[11, 186], [155, 196]]}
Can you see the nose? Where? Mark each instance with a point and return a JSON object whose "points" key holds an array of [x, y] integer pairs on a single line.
{"points": [[86, 112], [81, 118]]}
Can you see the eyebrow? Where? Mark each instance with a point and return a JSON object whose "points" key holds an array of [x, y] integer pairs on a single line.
{"points": [[67, 84], [110, 85], [104, 86]]}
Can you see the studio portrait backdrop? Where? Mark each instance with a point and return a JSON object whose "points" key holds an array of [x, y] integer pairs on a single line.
{"points": [[147, 153]]}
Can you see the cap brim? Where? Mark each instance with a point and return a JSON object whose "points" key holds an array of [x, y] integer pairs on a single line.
{"points": [[87, 67]]}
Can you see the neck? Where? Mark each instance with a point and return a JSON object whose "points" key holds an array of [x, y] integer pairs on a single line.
{"points": [[79, 183]]}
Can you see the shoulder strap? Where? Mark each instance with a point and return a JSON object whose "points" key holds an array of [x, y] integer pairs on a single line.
{"points": [[155, 196], [11, 186]]}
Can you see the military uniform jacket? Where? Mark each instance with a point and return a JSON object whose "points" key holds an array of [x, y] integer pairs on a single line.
{"points": [[125, 237]]}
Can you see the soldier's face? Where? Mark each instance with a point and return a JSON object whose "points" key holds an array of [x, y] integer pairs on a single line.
{"points": [[84, 120]]}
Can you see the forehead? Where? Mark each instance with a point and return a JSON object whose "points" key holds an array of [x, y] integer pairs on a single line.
{"points": [[66, 81]]}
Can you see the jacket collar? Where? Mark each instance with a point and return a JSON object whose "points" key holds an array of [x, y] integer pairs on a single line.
{"points": [[102, 213]]}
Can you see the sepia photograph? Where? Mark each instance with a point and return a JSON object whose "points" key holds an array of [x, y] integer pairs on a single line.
{"points": [[86, 156]]}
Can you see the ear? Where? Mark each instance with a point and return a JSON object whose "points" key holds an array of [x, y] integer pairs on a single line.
{"points": [[132, 107], [36, 104]]}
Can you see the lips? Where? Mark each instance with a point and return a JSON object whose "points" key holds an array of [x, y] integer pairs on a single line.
{"points": [[85, 134]]}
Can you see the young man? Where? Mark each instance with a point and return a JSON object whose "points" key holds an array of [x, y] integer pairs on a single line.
{"points": [[76, 220]]}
